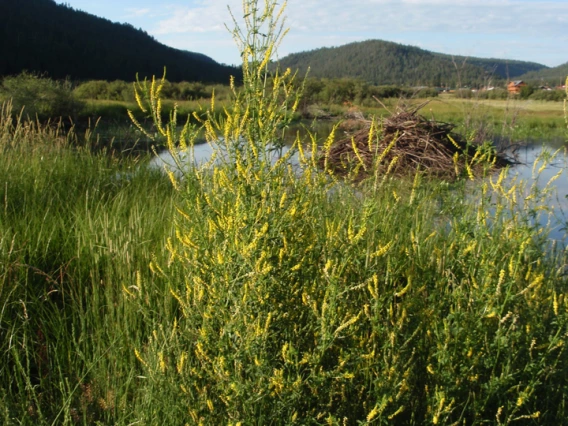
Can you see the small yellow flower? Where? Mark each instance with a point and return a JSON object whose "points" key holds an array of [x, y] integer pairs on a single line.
{"points": [[161, 362], [181, 362], [139, 358], [373, 413]]}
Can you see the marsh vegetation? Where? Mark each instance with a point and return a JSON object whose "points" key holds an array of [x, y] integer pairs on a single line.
{"points": [[247, 293]]}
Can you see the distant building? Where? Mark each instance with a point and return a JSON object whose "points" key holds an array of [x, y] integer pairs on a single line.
{"points": [[516, 86]]}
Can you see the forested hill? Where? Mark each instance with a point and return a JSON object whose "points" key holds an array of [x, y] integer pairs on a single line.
{"points": [[381, 62], [45, 37], [551, 76]]}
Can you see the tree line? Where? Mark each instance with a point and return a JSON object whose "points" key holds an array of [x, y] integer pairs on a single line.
{"points": [[58, 41], [386, 63]]}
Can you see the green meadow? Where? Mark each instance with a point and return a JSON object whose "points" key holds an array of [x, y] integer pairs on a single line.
{"points": [[251, 294]]}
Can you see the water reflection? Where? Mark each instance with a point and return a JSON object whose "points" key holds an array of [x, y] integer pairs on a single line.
{"points": [[202, 155], [527, 155]]}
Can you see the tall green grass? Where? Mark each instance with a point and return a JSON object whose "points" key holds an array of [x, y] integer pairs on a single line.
{"points": [[75, 229]]}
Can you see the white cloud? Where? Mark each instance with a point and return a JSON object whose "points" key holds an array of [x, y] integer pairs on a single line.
{"points": [[495, 16], [433, 15], [316, 23], [136, 13], [204, 16]]}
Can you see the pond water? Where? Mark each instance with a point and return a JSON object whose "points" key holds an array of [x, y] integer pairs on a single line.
{"points": [[526, 155], [202, 154], [534, 151]]}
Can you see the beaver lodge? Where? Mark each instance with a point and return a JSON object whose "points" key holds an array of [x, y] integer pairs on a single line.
{"points": [[404, 143]]}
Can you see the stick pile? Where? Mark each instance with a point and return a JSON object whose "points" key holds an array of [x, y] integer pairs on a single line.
{"points": [[412, 143]]}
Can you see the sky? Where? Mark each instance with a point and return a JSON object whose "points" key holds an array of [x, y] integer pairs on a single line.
{"points": [[528, 30]]}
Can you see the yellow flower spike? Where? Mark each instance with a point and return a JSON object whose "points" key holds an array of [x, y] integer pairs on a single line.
{"points": [[181, 362], [382, 250], [456, 167], [500, 282], [346, 324], [405, 289], [415, 184], [553, 178], [301, 154], [285, 352], [128, 292], [153, 89], [173, 179], [265, 61], [512, 266], [139, 357], [357, 154], [169, 139], [396, 413], [267, 323], [395, 195], [391, 166], [197, 117], [161, 362], [328, 143], [475, 156], [283, 199], [469, 172], [158, 117], [373, 291], [327, 267], [430, 236], [137, 95], [177, 297], [470, 248], [454, 143], [138, 125], [371, 137], [501, 177]]}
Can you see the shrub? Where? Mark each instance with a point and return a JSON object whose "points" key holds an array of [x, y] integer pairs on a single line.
{"points": [[548, 95], [386, 91], [40, 97], [428, 92], [95, 89], [464, 93], [119, 90], [497, 93], [527, 91], [305, 300]]}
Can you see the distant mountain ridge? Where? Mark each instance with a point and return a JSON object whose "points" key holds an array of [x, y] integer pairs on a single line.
{"points": [[552, 76], [45, 37], [383, 63]]}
